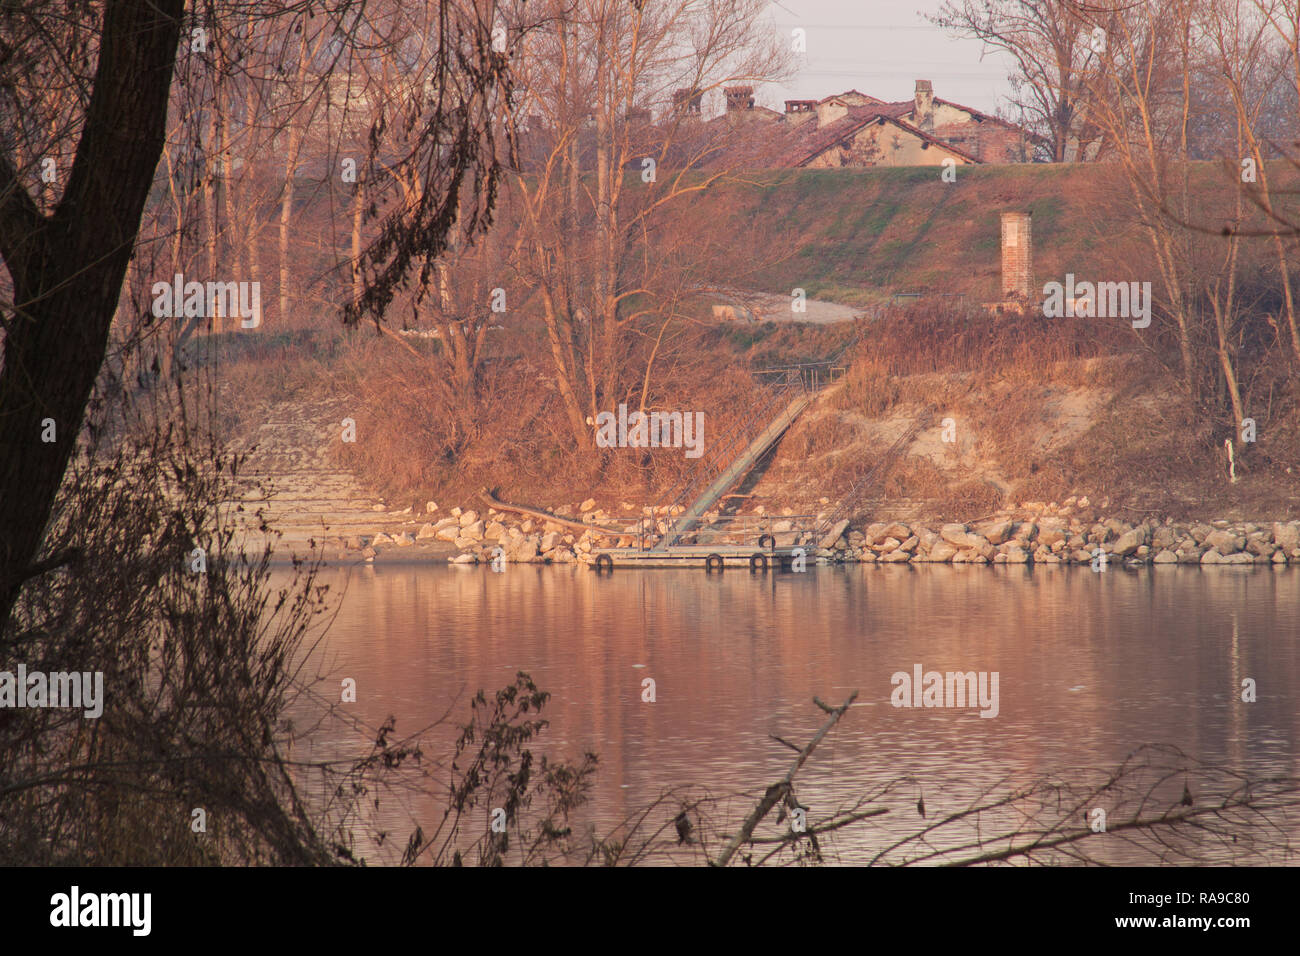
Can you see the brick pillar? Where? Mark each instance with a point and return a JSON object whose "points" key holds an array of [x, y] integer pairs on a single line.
{"points": [[1017, 255]]}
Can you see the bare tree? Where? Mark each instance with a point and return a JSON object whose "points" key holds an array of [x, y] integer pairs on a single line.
{"points": [[1053, 48], [600, 176]]}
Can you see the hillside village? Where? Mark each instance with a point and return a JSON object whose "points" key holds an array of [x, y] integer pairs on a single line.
{"points": [[855, 129]]}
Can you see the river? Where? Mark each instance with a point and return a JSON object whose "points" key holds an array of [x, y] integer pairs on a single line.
{"points": [[1090, 666]]}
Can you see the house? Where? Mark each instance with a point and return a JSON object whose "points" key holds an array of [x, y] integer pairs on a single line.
{"points": [[854, 129], [868, 136], [849, 129], [989, 139]]}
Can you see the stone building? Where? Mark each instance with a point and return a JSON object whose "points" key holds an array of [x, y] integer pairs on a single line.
{"points": [[855, 129]]}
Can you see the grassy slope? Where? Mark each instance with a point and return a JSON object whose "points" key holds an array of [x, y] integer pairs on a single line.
{"points": [[860, 235]]}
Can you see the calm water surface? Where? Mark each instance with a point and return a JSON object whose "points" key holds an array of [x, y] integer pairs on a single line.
{"points": [[1091, 666]]}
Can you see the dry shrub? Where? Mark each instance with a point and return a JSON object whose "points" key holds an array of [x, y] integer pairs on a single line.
{"points": [[934, 338], [915, 477], [1051, 480], [818, 435], [867, 388], [968, 500]]}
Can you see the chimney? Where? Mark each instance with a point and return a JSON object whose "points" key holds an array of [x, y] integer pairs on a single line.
{"points": [[923, 106], [687, 101], [1017, 255], [739, 98], [830, 110]]}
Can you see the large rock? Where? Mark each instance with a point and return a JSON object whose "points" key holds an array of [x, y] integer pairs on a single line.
{"points": [[957, 536], [898, 530], [833, 534], [896, 556], [910, 544], [995, 532], [449, 533], [467, 518], [888, 545], [1050, 531], [1165, 557], [1212, 557], [495, 531], [524, 549], [1165, 538], [1015, 554], [875, 532], [942, 551], [473, 530], [1287, 536], [1259, 544], [426, 531], [1225, 542], [1126, 543], [550, 541], [1201, 531]]}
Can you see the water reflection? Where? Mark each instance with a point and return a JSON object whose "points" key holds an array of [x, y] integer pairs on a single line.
{"points": [[1091, 666]]}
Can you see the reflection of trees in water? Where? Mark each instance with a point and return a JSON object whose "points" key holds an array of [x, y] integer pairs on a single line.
{"points": [[1157, 807]]}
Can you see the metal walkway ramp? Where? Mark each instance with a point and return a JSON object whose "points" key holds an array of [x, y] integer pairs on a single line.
{"points": [[739, 467], [691, 529]]}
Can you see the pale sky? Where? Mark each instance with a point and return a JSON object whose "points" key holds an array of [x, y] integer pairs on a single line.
{"points": [[882, 47]]}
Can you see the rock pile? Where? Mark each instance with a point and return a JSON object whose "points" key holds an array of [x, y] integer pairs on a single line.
{"points": [[1060, 540], [1059, 536]]}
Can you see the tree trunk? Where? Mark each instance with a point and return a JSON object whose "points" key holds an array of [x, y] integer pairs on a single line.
{"points": [[68, 268], [295, 134]]}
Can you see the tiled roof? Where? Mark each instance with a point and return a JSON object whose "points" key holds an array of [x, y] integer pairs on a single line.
{"points": [[983, 117], [807, 141], [835, 96]]}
